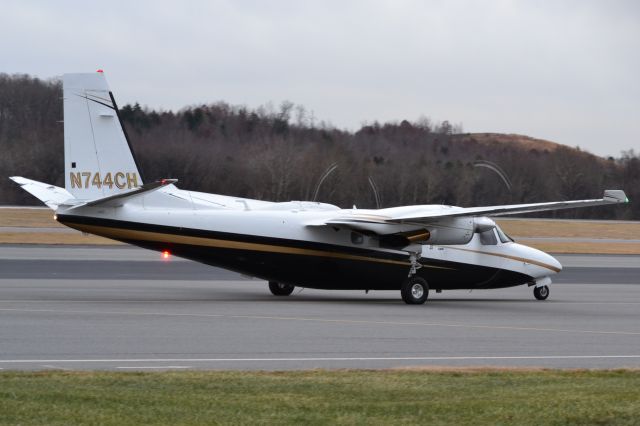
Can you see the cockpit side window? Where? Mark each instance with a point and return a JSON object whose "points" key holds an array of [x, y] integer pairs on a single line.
{"points": [[488, 238], [503, 237]]}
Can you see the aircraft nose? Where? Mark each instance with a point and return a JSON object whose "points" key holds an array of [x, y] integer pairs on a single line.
{"points": [[538, 264], [548, 262], [554, 262]]}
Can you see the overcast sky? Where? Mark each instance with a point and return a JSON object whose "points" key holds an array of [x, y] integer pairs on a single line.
{"points": [[567, 71]]}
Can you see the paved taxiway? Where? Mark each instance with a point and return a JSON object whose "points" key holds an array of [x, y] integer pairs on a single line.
{"points": [[124, 308]]}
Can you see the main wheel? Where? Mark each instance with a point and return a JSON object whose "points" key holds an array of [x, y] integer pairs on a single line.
{"points": [[541, 293], [414, 291], [280, 289]]}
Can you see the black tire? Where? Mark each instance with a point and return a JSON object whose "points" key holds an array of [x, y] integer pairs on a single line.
{"points": [[541, 293], [414, 291], [280, 289]]}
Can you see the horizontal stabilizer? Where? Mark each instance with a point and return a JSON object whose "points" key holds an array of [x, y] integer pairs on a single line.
{"points": [[52, 196], [121, 198]]}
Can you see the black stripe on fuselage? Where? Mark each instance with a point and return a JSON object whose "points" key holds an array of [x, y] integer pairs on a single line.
{"points": [[330, 271], [70, 220]]}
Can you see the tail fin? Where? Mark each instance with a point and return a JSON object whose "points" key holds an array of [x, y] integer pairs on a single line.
{"points": [[97, 154]]}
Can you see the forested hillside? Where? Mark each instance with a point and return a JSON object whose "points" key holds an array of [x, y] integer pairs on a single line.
{"points": [[281, 153]]}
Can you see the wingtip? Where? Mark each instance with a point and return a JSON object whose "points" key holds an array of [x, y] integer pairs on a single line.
{"points": [[615, 196]]}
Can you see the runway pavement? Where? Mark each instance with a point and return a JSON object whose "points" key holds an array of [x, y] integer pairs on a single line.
{"points": [[124, 308]]}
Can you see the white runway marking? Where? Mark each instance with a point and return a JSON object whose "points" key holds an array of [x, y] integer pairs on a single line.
{"points": [[407, 358], [323, 320]]}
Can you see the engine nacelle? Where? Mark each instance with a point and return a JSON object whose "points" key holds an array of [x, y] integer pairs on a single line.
{"points": [[449, 231], [455, 230]]}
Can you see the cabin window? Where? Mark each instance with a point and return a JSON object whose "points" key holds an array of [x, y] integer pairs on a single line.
{"points": [[488, 238], [357, 238]]}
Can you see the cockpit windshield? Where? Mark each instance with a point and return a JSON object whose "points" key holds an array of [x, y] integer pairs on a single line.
{"points": [[503, 237], [488, 238]]}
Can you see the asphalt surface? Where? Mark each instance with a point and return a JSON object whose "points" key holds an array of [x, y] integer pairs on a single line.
{"points": [[125, 309]]}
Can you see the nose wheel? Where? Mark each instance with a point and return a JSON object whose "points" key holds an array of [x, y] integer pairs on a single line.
{"points": [[541, 293]]}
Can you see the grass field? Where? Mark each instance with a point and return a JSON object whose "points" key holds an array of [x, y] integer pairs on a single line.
{"points": [[571, 229], [471, 397], [32, 218], [72, 238], [582, 247], [522, 229]]}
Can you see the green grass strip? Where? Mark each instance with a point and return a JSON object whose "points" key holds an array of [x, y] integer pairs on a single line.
{"points": [[473, 397]]}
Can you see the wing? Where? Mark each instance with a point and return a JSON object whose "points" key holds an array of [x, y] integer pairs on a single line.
{"points": [[411, 220], [609, 197]]}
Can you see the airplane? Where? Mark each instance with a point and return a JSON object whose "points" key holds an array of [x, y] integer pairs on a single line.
{"points": [[413, 249]]}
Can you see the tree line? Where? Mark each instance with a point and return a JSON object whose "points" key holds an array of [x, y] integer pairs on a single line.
{"points": [[280, 153]]}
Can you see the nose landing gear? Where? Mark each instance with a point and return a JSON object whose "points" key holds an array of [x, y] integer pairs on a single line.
{"points": [[541, 293]]}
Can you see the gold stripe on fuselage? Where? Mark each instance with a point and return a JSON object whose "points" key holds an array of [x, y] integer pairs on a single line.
{"points": [[132, 234], [506, 256]]}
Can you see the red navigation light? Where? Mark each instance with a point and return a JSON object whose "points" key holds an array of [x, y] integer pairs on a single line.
{"points": [[100, 71], [165, 254]]}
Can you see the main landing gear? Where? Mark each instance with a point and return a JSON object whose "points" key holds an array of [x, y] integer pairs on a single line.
{"points": [[541, 293], [414, 291], [280, 289]]}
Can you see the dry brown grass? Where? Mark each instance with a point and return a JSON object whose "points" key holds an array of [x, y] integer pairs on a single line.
{"points": [[472, 369], [75, 238], [30, 218], [526, 142], [570, 229], [582, 247]]}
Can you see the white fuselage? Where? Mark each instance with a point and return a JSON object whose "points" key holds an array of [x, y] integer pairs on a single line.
{"points": [[223, 231]]}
